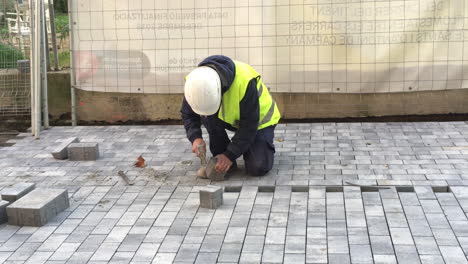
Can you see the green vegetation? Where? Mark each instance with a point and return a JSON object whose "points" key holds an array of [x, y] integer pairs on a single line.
{"points": [[4, 33], [61, 6], [61, 27], [9, 56], [63, 32], [64, 59]]}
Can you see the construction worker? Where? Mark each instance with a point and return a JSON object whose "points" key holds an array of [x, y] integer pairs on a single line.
{"points": [[225, 94]]}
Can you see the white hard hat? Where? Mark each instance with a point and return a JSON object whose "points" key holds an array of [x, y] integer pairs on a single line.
{"points": [[203, 90]]}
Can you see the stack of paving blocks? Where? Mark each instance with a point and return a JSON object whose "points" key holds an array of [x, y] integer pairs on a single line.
{"points": [[10, 195], [23, 205], [83, 151], [211, 197], [61, 151], [73, 150]]}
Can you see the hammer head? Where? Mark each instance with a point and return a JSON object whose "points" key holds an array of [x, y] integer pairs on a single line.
{"points": [[211, 172], [202, 153]]}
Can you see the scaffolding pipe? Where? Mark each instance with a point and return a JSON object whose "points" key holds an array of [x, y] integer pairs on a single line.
{"points": [[53, 33], [72, 66], [20, 29], [46, 33], [45, 66], [31, 67], [36, 69]]}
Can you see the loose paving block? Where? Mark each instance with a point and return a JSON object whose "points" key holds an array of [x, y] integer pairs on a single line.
{"points": [[83, 151], [61, 151], [17, 191], [211, 197], [37, 207], [3, 213], [211, 173]]}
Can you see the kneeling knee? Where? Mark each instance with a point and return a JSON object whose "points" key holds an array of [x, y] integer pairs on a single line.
{"points": [[258, 170]]}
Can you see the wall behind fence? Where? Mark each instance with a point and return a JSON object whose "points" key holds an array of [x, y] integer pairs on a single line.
{"points": [[299, 46], [114, 107]]}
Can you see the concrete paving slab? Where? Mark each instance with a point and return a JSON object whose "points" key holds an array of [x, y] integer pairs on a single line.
{"points": [[17, 191], [83, 151], [3, 212], [61, 151], [211, 197], [37, 207], [337, 193]]}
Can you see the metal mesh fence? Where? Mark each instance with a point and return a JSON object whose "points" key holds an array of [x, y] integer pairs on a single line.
{"points": [[15, 32], [299, 46]]}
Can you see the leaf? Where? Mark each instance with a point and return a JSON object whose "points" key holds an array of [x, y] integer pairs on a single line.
{"points": [[140, 162], [279, 139]]}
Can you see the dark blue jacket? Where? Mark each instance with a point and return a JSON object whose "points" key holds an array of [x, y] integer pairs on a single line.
{"points": [[249, 109]]}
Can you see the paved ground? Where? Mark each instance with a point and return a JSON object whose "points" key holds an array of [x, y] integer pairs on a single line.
{"points": [[308, 209]]}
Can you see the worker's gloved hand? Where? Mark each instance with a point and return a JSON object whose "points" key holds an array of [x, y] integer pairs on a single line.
{"points": [[196, 142], [223, 164]]}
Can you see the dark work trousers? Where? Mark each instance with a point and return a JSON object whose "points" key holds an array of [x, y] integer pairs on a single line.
{"points": [[258, 158]]}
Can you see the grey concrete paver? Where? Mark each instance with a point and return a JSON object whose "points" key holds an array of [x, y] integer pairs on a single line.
{"points": [[230, 253], [24, 252], [385, 259], [336, 228], [432, 259], [105, 252], [316, 254], [361, 254], [80, 257], [381, 245], [339, 258], [65, 251], [303, 211], [273, 254], [163, 258], [187, 253], [207, 258], [453, 254]]}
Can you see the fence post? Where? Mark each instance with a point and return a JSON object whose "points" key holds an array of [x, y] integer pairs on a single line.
{"points": [[46, 42], [37, 68], [54, 35], [45, 66], [72, 66], [20, 27], [31, 66]]}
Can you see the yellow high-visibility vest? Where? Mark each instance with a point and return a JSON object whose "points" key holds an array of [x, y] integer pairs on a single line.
{"points": [[230, 103]]}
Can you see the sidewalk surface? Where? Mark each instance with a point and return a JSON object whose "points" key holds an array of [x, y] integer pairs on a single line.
{"points": [[338, 193]]}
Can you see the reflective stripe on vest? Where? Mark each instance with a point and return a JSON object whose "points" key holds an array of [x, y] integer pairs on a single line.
{"points": [[270, 113]]}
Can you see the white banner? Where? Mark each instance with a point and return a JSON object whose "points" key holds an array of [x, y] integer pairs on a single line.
{"points": [[312, 46]]}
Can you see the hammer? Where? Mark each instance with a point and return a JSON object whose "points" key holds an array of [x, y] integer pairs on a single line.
{"points": [[202, 155]]}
